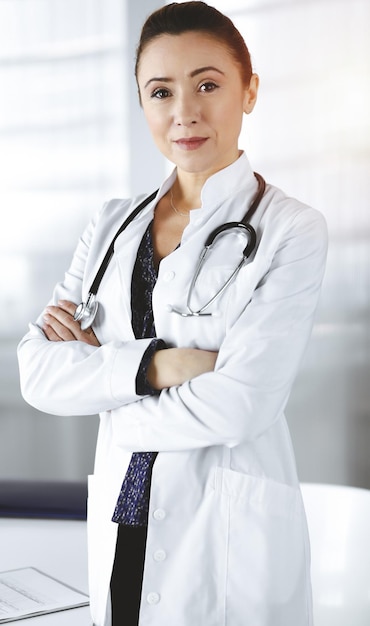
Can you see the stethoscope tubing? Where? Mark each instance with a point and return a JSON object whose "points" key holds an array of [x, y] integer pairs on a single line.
{"points": [[202, 259], [108, 256], [86, 311]]}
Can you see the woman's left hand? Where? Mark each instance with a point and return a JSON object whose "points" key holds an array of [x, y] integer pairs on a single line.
{"points": [[59, 325]]}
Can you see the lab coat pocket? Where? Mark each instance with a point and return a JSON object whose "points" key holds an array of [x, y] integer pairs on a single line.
{"points": [[268, 561], [259, 493], [211, 281]]}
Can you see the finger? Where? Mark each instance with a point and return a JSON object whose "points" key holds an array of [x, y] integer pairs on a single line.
{"points": [[88, 335], [50, 333], [65, 319], [58, 327], [67, 306], [63, 324]]}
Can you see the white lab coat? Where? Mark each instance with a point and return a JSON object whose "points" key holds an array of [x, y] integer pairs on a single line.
{"points": [[227, 539]]}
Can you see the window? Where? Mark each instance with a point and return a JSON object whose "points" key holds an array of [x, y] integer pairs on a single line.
{"points": [[72, 136]]}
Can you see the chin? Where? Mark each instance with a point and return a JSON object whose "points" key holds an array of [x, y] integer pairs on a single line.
{"points": [[208, 168]]}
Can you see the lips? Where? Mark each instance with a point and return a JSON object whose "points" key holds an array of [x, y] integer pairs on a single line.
{"points": [[191, 143]]}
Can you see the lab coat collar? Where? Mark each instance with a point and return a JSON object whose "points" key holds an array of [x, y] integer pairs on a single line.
{"points": [[227, 182], [220, 186]]}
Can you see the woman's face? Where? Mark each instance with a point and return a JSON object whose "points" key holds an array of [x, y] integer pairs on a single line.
{"points": [[193, 99]]}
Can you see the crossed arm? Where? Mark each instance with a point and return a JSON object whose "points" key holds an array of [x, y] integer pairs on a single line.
{"points": [[167, 368]]}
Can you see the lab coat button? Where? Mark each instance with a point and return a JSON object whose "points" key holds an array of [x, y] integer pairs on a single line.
{"points": [[159, 514], [159, 555], [168, 276], [153, 597]]}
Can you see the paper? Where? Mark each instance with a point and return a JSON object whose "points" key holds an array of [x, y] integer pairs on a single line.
{"points": [[28, 592]]}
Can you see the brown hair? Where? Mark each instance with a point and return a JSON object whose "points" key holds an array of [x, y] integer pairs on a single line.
{"points": [[178, 18]]}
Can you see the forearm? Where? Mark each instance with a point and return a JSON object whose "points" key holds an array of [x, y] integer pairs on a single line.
{"points": [[175, 366], [256, 364], [75, 378], [239, 401]]}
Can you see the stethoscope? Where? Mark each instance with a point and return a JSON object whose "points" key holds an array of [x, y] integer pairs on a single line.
{"points": [[86, 311]]}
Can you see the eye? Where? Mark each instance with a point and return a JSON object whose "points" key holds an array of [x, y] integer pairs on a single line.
{"points": [[208, 87], [161, 93]]}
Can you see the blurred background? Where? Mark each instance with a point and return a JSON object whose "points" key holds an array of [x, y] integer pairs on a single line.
{"points": [[72, 135]]}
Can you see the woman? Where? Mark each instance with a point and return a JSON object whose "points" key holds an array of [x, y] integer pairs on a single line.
{"points": [[209, 529]]}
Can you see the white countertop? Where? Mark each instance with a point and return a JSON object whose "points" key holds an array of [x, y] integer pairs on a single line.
{"points": [[58, 548]]}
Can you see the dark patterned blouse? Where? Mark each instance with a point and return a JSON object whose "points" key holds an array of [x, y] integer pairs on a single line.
{"points": [[133, 501]]}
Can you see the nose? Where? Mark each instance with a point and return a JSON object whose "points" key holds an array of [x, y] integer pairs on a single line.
{"points": [[186, 112]]}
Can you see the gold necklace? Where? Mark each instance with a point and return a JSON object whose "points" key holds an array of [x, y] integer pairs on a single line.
{"points": [[174, 208]]}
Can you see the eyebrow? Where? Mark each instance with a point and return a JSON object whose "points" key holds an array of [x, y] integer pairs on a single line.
{"points": [[200, 70]]}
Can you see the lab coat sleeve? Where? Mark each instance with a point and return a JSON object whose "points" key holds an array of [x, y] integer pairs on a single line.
{"points": [[257, 362], [74, 378]]}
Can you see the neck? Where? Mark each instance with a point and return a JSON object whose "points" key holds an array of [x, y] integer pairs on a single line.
{"points": [[187, 190], [188, 186]]}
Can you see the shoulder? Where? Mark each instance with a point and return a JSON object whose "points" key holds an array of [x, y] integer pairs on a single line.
{"points": [[118, 209], [287, 209], [106, 222], [289, 217], [289, 231]]}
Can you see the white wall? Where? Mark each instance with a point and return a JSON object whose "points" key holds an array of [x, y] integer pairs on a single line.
{"points": [[310, 135], [72, 135]]}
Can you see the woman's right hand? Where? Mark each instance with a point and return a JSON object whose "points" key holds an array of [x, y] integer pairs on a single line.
{"points": [[174, 366], [59, 325]]}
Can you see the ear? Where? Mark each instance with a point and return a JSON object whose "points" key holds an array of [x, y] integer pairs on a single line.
{"points": [[250, 95]]}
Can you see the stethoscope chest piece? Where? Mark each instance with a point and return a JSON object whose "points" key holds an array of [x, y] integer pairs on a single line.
{"points": [[86, 312]]}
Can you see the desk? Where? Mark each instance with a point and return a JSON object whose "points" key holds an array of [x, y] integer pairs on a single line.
{"points": [[58, 548]]}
